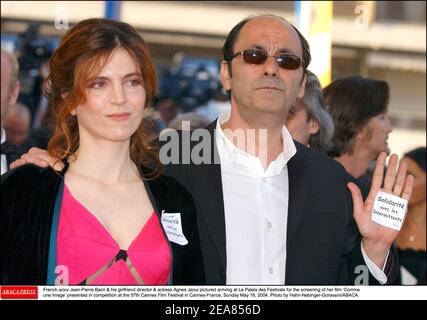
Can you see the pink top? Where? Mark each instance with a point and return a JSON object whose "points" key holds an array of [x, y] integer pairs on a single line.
{"points": [[86, 248]]}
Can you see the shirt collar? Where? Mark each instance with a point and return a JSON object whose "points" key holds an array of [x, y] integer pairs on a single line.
{"points": [[3, 135], [237, 159]]}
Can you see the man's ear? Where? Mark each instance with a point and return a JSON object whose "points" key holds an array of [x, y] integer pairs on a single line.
{"points": [[302, 87], [225, 76]]}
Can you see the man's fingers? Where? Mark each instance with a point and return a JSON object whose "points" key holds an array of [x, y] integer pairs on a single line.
{"points": [[38, 157], [400, 180], [17, 163], [390, 176], [45, 156], [38, 160], [407, 190], [357, 198], [35, 150], [58, 165], [377, 178], [29, 158], [42, 158]]}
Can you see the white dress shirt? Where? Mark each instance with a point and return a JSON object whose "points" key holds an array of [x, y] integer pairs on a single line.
{"points": [[256, 213], [3, 157]]}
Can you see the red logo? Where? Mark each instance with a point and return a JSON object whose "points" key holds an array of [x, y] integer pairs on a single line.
{"points": [[19, 292]]}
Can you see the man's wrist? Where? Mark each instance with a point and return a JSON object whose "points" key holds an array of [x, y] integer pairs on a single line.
{"points": [[376, 251]]}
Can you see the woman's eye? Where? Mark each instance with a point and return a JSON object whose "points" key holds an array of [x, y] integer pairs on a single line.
{"points": [[134, 82], [98, 84]]}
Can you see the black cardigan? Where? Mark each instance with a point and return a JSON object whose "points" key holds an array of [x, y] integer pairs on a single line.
{"points": [[28, 196]]}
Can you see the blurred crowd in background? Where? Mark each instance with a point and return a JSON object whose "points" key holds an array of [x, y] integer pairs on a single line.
{"points": [[380, 40], [189, 90]]}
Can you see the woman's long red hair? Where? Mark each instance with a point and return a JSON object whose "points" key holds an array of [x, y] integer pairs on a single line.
{"points": [[81, 53]]}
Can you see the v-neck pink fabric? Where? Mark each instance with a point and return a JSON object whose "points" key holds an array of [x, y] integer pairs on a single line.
{"points": [[84, 246]]}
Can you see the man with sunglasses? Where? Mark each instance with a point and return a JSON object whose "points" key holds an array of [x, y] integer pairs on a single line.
{"points": [[276, 212]]}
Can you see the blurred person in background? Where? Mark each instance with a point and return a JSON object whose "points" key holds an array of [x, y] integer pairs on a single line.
{"points": [[43, 126], [33, 51], [196, 120], [42, 107], [358, 107], [17, 125], [40, 136], [104, 217], [411, 242], [309, 121], [217, 105], [9, 94], [166, 110], [153, 127]]}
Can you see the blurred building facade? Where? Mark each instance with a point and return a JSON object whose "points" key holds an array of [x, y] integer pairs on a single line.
{"points": [[384, 40]]}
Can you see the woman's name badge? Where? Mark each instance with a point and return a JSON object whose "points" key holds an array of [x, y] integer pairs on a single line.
{"points": [[389, 210], [172, 224]]}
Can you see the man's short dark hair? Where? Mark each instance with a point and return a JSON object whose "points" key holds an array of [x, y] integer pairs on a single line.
{"points": [[352, 101], [227, 49]]}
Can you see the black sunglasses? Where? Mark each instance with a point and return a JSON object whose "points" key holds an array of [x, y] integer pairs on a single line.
{"points": [[259, 56]]}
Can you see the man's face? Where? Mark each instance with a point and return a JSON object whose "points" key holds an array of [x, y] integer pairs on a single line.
{"points": [[376, 134], [264, 88], [17, 127]]}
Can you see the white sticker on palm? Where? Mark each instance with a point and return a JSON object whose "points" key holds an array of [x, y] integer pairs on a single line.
{"points": [[389, 210]]}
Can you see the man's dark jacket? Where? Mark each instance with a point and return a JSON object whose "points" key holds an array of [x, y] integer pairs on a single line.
{"points": [[323, 242]]}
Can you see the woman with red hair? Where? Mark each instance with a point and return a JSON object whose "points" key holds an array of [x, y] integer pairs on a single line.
{"points": [[109, 217]]}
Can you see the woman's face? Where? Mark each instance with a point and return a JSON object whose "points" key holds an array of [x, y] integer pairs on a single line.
{"points": [[419, 192], [115, 100]]}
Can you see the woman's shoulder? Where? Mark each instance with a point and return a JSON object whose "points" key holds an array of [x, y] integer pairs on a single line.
{"points": [[169, 191], [25, 175], [168, 185]]}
